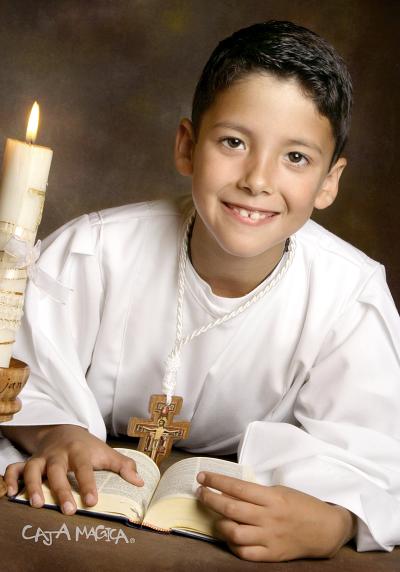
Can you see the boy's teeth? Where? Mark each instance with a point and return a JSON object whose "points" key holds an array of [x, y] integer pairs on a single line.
{"points": [[253, 215]]}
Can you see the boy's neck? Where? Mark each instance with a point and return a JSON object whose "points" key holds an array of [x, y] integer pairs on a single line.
{"points": [[229, 276]]}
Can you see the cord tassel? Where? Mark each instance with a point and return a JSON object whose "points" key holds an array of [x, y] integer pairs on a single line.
{"points": [[172, 365]]}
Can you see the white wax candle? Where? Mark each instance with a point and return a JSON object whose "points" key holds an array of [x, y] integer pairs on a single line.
{"points": [[23, 185], [22, 191]]}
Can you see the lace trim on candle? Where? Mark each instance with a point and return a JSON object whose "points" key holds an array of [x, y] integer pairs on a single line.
{"points": [[25, 257], [13, 273], [11, 313], [9, 324], [11, 300], [6, 259], [19, 231]]}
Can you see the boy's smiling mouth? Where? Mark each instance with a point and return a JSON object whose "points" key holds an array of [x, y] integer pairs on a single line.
{"points": [[249, 214]]}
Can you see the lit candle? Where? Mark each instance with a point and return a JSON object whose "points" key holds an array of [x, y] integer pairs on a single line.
{"points": [[22, 191], [23, 184]]}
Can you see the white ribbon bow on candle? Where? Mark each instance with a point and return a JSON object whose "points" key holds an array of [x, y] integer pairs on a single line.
{"points": [[26, 257]]}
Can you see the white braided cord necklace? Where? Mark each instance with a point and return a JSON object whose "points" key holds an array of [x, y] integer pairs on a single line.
{"points": [[173, 360]]}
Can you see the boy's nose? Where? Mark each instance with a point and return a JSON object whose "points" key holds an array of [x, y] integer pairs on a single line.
{"points": [[257, 178]]}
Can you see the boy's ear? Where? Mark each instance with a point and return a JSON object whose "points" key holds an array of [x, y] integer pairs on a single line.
{"points": [[330, 187], [184, 147]]}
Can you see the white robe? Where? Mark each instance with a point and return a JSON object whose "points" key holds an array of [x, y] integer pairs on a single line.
{"points": [[305, 384]]}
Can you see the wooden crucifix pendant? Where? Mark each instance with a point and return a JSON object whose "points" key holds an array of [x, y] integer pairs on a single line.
{"points": [[157, 433]]}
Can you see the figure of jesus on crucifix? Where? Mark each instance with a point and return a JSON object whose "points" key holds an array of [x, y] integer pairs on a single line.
{"points": [[157, 433], [155, 442]]}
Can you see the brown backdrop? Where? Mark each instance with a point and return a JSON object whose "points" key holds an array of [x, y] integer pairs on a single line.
{"points": [[113, 78]]}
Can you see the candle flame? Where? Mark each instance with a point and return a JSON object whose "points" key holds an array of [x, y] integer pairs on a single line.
{"points": [[33, 124]]}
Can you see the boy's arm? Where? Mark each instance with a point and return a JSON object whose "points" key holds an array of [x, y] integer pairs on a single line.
{"points": [[26, 437], [57, 342], [344, 446], [56, 450], [273, 524]]}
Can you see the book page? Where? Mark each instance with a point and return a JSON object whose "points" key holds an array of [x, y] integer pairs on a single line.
{"points": [[180, 479], [115, 487], [115, 495]]}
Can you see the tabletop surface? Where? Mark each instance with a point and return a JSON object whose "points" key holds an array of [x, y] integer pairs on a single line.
{"points": [[26, 545]]}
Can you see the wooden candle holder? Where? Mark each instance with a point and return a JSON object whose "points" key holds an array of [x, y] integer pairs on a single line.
{"points": [[12, 380]]}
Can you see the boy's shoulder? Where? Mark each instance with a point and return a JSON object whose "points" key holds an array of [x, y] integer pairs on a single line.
{"points": [[126, 214], [82, 234], [331, 251]]}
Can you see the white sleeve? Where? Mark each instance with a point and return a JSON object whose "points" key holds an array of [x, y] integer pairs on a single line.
{"points": [[56, 340], [346, 447]]}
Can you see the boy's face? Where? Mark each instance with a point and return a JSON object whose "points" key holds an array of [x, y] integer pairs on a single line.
{"points": [[259, 166]]}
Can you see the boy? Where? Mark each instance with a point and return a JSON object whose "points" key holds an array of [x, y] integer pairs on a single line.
{"points": [[292, 339]]}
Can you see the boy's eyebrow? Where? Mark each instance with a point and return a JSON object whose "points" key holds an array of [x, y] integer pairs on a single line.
{"points": [[243, 129], [305, 143], [234, 126]]}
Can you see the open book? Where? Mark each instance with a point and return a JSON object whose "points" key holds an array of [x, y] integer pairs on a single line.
{"points": [[166, 504]]}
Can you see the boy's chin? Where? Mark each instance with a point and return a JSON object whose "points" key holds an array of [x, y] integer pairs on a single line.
{"points": [[252, 250]]}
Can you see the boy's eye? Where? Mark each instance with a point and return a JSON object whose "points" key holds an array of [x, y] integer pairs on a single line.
{"points": [[297, 158], [233, 143]]}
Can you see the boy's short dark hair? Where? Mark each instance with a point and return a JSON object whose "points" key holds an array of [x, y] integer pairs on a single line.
{"points": [[288, 51]]}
